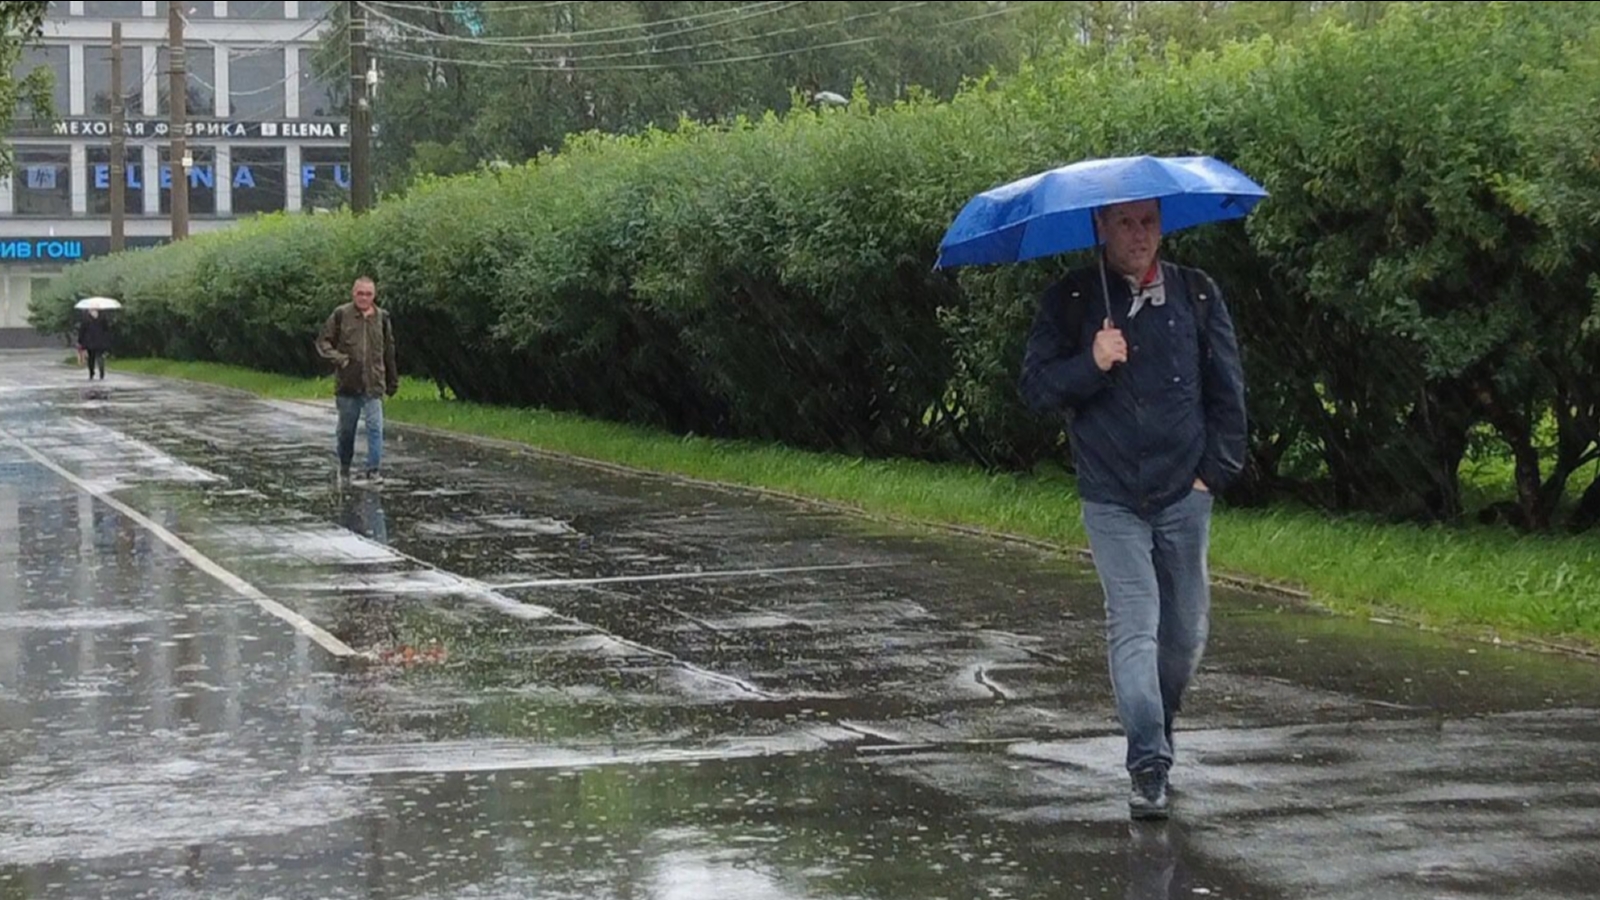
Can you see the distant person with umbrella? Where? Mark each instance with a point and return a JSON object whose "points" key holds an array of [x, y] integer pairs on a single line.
{"points": [[1137, 357], [94, 333]]}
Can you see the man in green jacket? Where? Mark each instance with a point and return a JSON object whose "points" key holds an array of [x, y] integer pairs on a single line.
{"points": [[359, 341]]}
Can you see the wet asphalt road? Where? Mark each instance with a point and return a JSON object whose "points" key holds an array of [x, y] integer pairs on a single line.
{"points": [[627, 687]]}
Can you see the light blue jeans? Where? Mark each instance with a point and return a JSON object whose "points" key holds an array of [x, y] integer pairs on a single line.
{"points": [[1158, 603], [350, 410]]}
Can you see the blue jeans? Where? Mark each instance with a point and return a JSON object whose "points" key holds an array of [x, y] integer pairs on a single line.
{"points": [[351, 409], [1158, 603]]}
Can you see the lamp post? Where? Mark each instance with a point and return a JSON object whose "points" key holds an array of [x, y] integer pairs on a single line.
{"points": [[178, 92]]}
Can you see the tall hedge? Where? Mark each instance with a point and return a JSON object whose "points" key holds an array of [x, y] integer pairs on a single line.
{"points": [[1420, 287]]}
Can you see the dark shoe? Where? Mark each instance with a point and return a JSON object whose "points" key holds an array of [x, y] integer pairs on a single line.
{"points": [[1148, 799], [374, 476]]}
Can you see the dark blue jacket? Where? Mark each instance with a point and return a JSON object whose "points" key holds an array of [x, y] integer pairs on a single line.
{"points": [[1143, 432]]}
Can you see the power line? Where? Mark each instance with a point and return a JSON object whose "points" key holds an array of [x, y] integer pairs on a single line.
{"points": [[256, 50], [635, 67], [562, 40], [992, 14], [343, 60], [268, 46], [498, 7], [515, 65], [567, 61]]}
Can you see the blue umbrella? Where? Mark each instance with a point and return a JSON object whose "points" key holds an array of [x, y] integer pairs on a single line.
{"points": [[1052, 212]]}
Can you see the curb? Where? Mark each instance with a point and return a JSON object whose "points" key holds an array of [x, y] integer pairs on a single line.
{"points": [[1243, 583], [1267, 589], [1237, 582]]}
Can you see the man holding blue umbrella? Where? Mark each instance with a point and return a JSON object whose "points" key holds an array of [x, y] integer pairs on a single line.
{"points": [[1139, 357]]}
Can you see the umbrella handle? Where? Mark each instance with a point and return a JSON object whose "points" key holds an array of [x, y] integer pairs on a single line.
{"points": [[1100, 253], [1105, 285], [1105, 297]]}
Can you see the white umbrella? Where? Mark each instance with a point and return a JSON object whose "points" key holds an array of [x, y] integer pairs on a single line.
{"points": [[98, 303]]}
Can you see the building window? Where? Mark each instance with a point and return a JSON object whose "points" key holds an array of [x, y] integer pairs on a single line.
{"points": [[202, 181], [194, 9], [200, 67], [255, 9], [324, 177], [118, 10], [41, 183], [258, 180], [316, 9], [59, 61], [256, 83], [323, 87], [97, 80], [99, 180]]}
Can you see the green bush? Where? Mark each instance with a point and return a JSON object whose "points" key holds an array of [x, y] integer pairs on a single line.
{"points": [[1421, 276]]}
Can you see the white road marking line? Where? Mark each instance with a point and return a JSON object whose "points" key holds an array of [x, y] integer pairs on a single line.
{"points": [[612, 579], [194, 557], [491, 596], [686, 576]]}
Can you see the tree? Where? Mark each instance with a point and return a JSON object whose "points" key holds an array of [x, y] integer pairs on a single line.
{"points": [[508, 82], [471, 82], [1558, 187], [20, 25], [1431, 237]]}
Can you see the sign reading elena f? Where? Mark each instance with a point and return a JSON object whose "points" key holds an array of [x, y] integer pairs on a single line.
{"points": [[244, 177]]}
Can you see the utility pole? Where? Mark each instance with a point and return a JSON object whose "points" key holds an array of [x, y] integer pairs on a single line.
{"points": [[119, 152], [179, 91], [360, 114]]}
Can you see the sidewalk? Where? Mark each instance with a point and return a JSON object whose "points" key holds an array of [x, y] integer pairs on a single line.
{"points": [[615, 680]]}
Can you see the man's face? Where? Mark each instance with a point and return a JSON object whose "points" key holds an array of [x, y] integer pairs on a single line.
{"points": [[1132, 235], [363, 294]]}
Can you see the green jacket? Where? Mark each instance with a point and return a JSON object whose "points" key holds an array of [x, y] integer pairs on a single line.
{"points": [[362, 347]]}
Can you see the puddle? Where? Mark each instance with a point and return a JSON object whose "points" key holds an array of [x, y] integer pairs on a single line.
{"points": [[489, 756], [309, 544], [71, 620]]}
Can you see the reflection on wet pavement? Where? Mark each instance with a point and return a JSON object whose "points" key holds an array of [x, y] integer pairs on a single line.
{"points": [[581, 684]]}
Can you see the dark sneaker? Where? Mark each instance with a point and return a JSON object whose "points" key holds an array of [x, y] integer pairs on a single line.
{"points": [[1148, 799], [374, 476]]}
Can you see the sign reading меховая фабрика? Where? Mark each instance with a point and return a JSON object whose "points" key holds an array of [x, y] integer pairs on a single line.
{"points": [[220, 129]]}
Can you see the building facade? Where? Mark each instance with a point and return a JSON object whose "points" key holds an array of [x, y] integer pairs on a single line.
{"points": [[267, 131]]}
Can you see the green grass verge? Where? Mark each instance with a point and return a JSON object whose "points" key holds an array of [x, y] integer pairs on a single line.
{"points": [[1475, 580]]}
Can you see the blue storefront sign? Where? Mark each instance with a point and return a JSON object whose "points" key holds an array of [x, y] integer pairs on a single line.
{"points": [[62, 250], [41, 249], [244, 178]]}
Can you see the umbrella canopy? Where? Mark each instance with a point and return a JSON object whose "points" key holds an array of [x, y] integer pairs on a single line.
{"points": [[1052, 212], [98, 303]]}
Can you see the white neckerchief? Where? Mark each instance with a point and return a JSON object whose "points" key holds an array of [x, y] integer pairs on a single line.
{"points": [[1155, 293]]}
